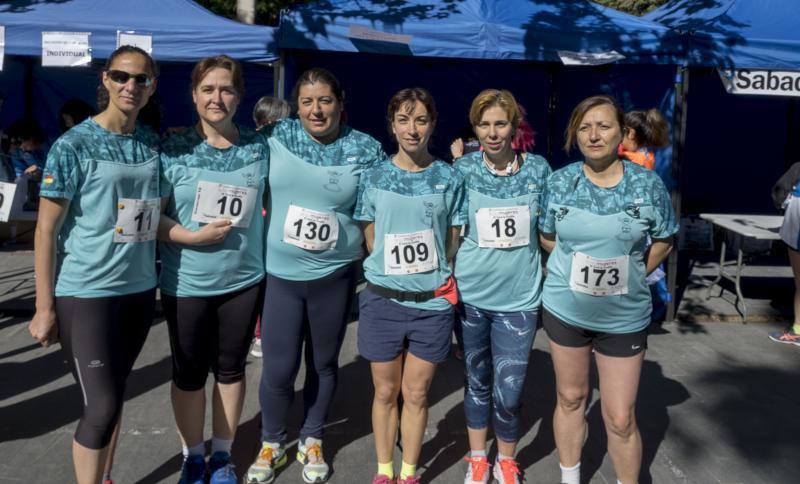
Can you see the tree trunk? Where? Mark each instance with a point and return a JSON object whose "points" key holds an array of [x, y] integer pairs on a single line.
{"points": [[246, 11]]}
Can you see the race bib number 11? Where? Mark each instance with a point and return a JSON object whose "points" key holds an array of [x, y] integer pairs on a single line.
{"points": [[137, 219], [215, 201], [599, 277]]}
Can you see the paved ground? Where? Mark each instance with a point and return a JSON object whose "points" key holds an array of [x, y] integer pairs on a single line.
{"points": [[718, 404]]}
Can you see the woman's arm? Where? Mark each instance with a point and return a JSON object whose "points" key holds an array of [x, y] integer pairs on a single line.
{"points": [[656, 253], [171, 231], [547, 241], [369, 235], [44, 325], [452, 242]]}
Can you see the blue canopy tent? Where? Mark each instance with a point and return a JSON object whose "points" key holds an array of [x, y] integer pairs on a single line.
{"points": [[182, 33], [731, 138], [456, 48]]}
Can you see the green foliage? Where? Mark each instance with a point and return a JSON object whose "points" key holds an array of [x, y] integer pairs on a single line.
{"points": [[267, 11], [636, 7]]}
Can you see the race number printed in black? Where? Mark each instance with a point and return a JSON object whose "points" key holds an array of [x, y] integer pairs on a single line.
{"points": [[310, 229], [137, 219], [599, 277], [504, 227], [215, 201], [410, 253]]}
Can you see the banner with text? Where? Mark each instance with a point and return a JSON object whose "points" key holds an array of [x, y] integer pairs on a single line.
{"points": [[761, 82], [142, 41], [66, 49]]}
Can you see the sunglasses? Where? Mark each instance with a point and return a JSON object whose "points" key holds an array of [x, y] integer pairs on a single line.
{"points": [[122, 77]]}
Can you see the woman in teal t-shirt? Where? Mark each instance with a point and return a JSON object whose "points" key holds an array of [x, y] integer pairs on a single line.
{"points": [[212, 230], [598, 215], [97, 224]]}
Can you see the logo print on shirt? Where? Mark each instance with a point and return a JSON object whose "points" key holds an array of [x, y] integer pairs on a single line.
{"points": [[96, 364], [428, 210], [625, 229], [334, 177], [562, 212]]}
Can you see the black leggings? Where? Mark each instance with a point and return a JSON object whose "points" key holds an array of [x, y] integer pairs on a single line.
{"points": [[101, 338], [212, 332], [296, 311]]}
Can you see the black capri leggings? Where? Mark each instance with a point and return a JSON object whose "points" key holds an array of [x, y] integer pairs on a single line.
{"points": [[101, 338], [212, 332]]}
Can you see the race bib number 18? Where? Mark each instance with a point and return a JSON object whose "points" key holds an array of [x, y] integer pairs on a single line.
{"points": [[310, 229], [137, 219], [215, 201], [410, 253], [503, 227], [599, 277]]}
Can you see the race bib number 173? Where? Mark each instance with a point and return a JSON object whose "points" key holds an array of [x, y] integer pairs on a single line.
{"points": [[599, 277]]}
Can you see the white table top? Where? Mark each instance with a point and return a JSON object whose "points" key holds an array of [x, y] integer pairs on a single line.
{"points": [[762, 227]]}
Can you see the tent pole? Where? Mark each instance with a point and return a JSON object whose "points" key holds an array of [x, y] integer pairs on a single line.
{"points": [[279, 78], [29, 87], [678, 147]]}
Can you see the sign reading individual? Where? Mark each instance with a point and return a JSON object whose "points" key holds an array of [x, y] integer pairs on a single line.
{"points": [[66, 49], [761, 82], [7, 191], [142, 41]]}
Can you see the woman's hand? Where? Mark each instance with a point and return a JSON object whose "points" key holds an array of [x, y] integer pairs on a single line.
{"points": [[44, 327], [212, 233], [457, 148]]}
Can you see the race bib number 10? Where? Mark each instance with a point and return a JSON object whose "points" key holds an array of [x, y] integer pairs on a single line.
{"points": [[503, 227], [137, 219], [310, 229], [410, 253], [7, 191], [215, 201], [599, 277]]}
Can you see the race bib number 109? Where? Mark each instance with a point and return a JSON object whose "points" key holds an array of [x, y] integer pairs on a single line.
{"points": [[599, 277], [409, 253], [310, 229], [137, 219]]}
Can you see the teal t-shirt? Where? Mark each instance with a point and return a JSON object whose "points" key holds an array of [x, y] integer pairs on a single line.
{"points": [[232, 180], [412, 212], [498, 267], [101, 173], [601, 237], [312, 194]]}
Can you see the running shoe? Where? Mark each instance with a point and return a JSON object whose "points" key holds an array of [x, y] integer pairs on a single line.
{"points": [[506, 471], [788, 336], [268, 461], [315, 469], [108, 481], [256, 349], [410, 480], [221, 469], [382, 479], [193, 470], [478, 470]]}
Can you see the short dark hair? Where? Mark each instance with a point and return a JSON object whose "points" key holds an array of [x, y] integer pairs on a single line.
{"points": [[26, 129], [269, 109], [583, 107], [409, 96], [204, 66], [318, 75], [131, 49]]}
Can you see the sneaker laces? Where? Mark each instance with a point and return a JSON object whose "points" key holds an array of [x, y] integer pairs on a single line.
{"points": [[267, 454], [510, 470], [314, 449], [478, 467]]}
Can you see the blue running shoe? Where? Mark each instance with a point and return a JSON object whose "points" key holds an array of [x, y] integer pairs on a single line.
{"points": [[221, 469], [193, 470]]}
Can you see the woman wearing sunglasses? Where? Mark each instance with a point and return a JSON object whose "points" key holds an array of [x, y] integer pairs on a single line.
{"points": [[212, 263], [95, 252]]}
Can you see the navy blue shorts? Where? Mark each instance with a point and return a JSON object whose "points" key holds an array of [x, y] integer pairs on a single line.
{"points": [[386, 328]]}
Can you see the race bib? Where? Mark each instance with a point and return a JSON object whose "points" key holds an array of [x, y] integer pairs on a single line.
{"points": [[504, 227], [310, 229], [599, 277], [7, 191], [215, 201], [137, 219], [409, 253]]}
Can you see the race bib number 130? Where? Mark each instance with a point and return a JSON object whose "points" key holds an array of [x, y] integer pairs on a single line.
{"points": [[310, 229], [599, 277], [137, 219]]}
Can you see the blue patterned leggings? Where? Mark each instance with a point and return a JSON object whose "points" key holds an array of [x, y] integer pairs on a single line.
{"points": [[496, 351]]}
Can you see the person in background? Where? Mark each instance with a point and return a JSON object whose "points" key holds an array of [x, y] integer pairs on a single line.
{"points": [[267, 111], [786, 195], [466, 142], [72, 113], [28, 151], [607, 223], [644, 131], [270, 109]]}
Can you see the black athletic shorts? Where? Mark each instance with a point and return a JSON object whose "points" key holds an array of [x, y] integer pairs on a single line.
{"points": [[608, 344]]}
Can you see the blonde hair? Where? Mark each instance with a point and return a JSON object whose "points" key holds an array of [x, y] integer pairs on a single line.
{"points": [[489, 98]]}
